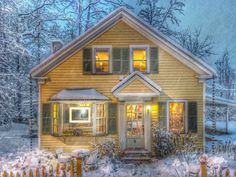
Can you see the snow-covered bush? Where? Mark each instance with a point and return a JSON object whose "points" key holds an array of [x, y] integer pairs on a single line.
{"points": [[162, 142], [107, 148], [167, 143]]}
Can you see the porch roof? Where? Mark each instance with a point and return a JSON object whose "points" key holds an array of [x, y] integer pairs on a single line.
{"points": [[136, 75], [76, 94]]}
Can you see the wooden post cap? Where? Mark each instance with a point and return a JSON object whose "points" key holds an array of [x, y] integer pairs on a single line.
{"points": [[80, 153]]}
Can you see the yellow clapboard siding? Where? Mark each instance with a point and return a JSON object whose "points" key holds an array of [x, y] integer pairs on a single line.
{"points": [[176, 80], [136, 86]]}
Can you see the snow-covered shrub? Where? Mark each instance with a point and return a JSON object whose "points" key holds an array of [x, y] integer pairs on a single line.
{"points": [[162, 142], [107, 148], [167, 143]]}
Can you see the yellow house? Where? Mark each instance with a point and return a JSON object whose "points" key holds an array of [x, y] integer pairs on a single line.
{"points": [[117, 80]]}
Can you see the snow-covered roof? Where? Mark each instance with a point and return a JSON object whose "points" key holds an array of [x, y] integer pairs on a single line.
{"points": [[221, 101], [136, 74], [122, 14], [76, 94]]}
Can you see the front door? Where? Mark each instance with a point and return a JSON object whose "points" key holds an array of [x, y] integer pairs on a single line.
{"points": [[135, 125]]}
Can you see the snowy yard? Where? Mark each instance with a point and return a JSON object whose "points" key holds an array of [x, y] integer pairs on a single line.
{"points": [[14, 153], [15, 140], [220, 135], [174, 166]]}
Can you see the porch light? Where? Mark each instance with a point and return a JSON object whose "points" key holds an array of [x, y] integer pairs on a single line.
{"points": [[148, 108]]}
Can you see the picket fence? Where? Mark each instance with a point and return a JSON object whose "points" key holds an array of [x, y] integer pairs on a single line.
{"points": [[74, 169]]}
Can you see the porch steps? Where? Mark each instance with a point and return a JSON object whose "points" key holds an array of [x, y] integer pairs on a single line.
{"points": [[136, 155]]}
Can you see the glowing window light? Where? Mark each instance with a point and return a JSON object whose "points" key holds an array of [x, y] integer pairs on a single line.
{"points": [[140, 59], [80, 114], [176, 116]]}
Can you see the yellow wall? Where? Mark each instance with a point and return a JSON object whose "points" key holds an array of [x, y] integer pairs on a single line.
{"points": [[176, 80]]}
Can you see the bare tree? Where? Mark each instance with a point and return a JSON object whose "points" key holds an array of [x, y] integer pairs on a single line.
{"points": [[161, 15], [226, 74], [199, 45]]}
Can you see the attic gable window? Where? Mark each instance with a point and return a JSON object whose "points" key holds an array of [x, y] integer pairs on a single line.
{"points": [[139, 58], [102, 57]]}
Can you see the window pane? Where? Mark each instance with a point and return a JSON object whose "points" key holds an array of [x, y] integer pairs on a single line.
{"points": [[100, 119], [176, 117], [102, 66], [139, 54], [139, 66], [102, 55], [79, 114], [102, 60]]}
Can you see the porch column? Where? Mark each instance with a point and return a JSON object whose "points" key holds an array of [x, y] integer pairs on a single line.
{"points": [[148, 127], [122, 125], [60, 119], [94, 118]]}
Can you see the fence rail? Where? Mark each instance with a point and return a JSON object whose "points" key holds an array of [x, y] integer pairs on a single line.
{"points": [[73, 169]]}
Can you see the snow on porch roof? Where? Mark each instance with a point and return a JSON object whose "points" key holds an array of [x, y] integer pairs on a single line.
{"points": [[76, 94]]}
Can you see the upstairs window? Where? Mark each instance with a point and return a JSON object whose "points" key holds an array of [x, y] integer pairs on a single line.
{"points": [[102, 59], [140, 58]]}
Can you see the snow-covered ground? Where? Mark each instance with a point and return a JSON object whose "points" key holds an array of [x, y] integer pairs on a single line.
{"points": [[174, 166], [14, 153], [221, 136], [15, 139]]}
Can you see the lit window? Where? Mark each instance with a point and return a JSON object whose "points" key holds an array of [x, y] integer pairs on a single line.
{"points": [[80, 114], [100, 119], [139, 59], [176, 116], [55, 117], [102, 56]]}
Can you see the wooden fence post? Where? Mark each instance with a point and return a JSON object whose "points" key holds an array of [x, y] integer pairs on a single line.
{"points": [[235, 173], [79, 166], [63, 168], [4, 174], [58, 170], [71, 168], [37, 172], [11, 174], [24, 174], [203, 165], [227, 173], [17, 174], [43, 171], [50, 171], [30, 173]]}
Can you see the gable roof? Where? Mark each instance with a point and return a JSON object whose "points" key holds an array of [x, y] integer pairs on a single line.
{"points": [[123, 14], [136, 75]]}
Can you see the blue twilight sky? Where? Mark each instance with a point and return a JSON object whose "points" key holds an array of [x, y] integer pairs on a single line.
{"points": [[216, 18]]}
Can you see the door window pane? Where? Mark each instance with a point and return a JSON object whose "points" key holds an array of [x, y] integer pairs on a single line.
{"points": [[135, 124]]}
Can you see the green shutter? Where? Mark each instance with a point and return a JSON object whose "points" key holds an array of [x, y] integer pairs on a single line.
{"points": [[120, 60], [192, 117], [162, 118], [153, 60], [46, 113], [116, 60], [112, 115], [87, 60], [125, 60]]}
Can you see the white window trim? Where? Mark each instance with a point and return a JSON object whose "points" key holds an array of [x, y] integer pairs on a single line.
{"points": [[185, 116], [94, 47], [79, 108], [132, 47]]}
